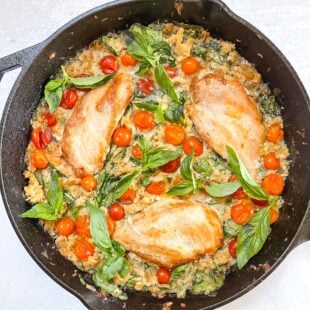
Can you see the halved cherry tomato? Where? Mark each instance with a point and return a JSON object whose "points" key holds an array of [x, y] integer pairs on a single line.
{"points": [[242, 212], [69, 99], [240, 194], [174, 134], [232, 247], [38, 159], [144, 120], [111, 225], [273, 184], [41, 138], [128, 60], [128, 197], [50, 119], [274, 215], [193, 144], [156, 188], [108, 64], [137, 152], [89, 183], [82, 226], [171, 71], [190, 65], [274, 133], [171, 166], [83, 249], [65, 227], [116, 212], [271, 161], [163, 275], [260, 203], [122, 136], [145, 86]]}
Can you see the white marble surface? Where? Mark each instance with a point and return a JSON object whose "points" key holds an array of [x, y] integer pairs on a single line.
{"points": [[23, 23]]}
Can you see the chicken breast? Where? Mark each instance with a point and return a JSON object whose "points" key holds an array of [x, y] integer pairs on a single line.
{"points": [[88, 133], [172, 232], [224, 114]]}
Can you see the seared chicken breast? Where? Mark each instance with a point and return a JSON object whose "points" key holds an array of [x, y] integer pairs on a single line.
{"points": [[224, 114], [172, 232], [88, 133]]}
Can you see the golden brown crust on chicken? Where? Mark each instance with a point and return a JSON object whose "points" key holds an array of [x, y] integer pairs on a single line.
{"points": [[88, 133], [172, 232], [224, 114]]}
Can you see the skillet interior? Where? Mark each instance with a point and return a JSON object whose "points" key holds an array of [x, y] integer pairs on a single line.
{"points": [[79, 33]]}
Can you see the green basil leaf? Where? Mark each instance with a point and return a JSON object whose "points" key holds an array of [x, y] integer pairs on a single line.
{"points": [[165, 83], [159, 156], [119, 249], [53, 85], [143, 68], [40, 211], [252, 236], [55, 196], [231, 228], [175, 110], [151, 106], [53, 98], [125, 269], [91, 81], [247, 182], [176, 272], [98, 228], [222, 190], [187, 167], [182, 188], [124, 184], [112, 268]]}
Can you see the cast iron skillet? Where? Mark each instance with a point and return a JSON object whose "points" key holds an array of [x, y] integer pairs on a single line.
{"points": [[38, 65]]}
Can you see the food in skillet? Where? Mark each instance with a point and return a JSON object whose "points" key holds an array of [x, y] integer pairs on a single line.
{"points": [[157, 160]]}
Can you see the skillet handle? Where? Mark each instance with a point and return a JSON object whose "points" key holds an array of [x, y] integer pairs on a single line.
{"points": [[19, 59], [303, 233]]}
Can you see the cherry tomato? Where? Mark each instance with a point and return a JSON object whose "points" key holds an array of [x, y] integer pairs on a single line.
{"points": [[116, 212], [38, 159], [137, 152], [171, 71], [190, 65], [232, 248], [108, 64], [193, 144], [128, 60], [145, 86], [82, 226], [122, 136], [111, 225], [274, 133], [171, 166], [163, 275], [274, 215], [83, 249], [69, 99], [144, 120], [233, 178], [242, 212], [174, 134], [41, 138], [273, 184], [89, 183], [156, 188], [271, 161], [65, 227], [50, 119], [260, 203], [239, 194], [128, 197]]}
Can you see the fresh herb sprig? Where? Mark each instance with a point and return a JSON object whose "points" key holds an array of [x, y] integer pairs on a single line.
{"points": [[151, 106], [54, 89]]}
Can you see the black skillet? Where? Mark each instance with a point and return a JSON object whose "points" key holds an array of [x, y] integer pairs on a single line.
{"points": [[38, 64]]}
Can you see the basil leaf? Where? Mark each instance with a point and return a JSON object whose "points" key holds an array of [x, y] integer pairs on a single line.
{"points": [[187, 167], [247, 182], [53, 85], [151, 106], [53, 98], [40, 211], [222, 190], [231, 228], [143, 68], [182, 188], [165, 83], [176, 272], [124, 184], [252, 236], [91, 81], [112, 268], [98, 227], [175, 110], [160, 156]]}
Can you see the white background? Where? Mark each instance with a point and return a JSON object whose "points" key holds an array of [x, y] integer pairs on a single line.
{"points": [[25, 22]]}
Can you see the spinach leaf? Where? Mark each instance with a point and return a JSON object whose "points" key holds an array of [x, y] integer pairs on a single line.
{"points": [[247, 182], [55, 198], [252, 236], [176, 272], [203, 167], [222, 190]]}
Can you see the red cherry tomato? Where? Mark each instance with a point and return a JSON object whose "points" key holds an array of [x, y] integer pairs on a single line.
{"points": [[137, 152], [111, 225], [38, 159], [190, 65], [89, 183], [145, 86], [50, 119], [242, 212], [82, 226], [171, 71], [69, 99], [271, 161], [156, 188], [128, 197], [193, 144], [174, 134], [239, 194], [65, 227], [144, 120], [260, 203], [116, 212], [41, 138], [163, 275], [232, 248], [108, 64], [83, 249], [122, 136], [128, 61], [274, 133], [273, 184], [274, 215], [171, 166]]}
